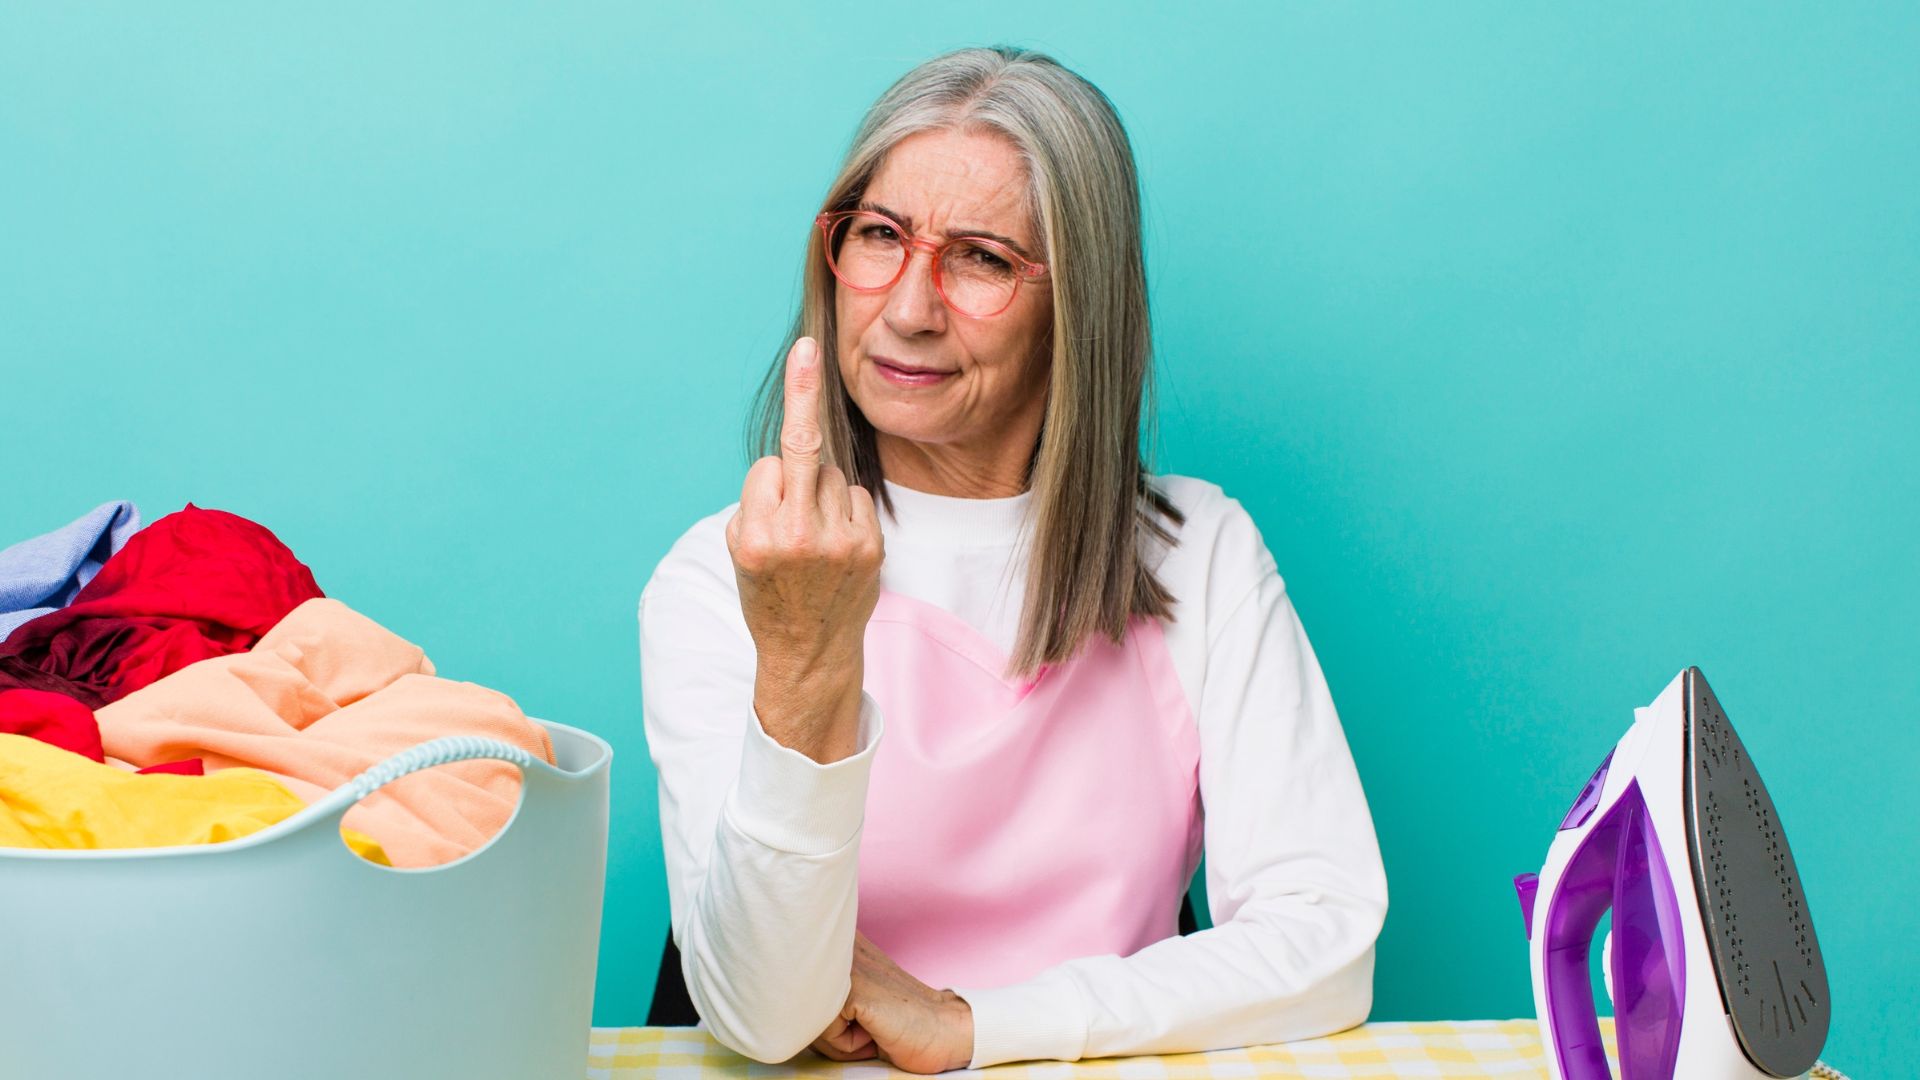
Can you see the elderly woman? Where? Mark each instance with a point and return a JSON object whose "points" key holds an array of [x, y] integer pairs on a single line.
{"points": [[948, 707]]}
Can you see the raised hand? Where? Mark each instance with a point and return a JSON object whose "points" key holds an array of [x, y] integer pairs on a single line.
{"points": [[806, 551]]}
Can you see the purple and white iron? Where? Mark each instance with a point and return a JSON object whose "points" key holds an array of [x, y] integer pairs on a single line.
{"points": [[1712, 964]]}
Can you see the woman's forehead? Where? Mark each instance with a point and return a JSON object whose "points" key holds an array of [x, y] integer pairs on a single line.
{"points": [[954, 183]]}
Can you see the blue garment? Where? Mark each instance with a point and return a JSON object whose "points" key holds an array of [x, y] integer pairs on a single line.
{"points": [[44, 573]]}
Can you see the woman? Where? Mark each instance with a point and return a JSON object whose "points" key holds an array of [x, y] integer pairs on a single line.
{"points": [[932, 771]]}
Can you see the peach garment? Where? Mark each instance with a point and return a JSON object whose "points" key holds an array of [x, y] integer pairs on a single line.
{"points": [[324, 695]]}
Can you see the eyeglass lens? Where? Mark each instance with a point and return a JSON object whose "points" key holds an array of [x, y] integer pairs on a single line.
{"points": [[867, 253]]}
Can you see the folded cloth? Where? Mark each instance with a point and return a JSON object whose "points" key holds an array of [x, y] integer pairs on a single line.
{"points": [[51, 798], [41, 574], [193, 585], [58, 720], [327, 693]]}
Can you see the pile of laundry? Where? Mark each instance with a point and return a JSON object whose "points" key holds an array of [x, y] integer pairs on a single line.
{"points": [[188, 683]]}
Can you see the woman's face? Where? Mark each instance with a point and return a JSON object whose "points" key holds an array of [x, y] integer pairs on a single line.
{"points": [[984, 391]]}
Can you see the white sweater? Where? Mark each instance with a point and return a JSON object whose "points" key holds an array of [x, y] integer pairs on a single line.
{"points": [[762, 844]]}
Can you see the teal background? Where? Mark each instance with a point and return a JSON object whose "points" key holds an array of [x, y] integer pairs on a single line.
{"points": [[1553, 350]]}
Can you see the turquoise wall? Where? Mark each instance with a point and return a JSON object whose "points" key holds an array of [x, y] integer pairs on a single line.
{"points": [[1553, 351]]}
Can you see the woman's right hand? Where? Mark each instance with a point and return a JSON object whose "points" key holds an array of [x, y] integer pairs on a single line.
{"points": [[806, 551]]}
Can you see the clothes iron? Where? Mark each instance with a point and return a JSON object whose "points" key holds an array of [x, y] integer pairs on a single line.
{"points": [[1712, 963]]}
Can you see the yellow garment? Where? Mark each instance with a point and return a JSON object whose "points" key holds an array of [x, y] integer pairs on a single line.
{"points": [[54, 798]]}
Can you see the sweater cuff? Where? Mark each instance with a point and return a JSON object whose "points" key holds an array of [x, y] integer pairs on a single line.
{"points": [[785, 800], [1042, 1019]]}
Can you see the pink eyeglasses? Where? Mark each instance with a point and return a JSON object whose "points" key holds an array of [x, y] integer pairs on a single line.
{"points": [[974, 276]]}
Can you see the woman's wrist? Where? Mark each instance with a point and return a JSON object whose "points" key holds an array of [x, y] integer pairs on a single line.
{"points": [[808, 663], [815, 712]]}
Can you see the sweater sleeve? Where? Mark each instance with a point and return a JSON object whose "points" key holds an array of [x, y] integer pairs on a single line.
{"points": [[1294, 879], [761, 843]]}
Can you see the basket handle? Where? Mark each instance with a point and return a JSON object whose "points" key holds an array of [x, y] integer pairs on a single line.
{"points": [[442, 751]]}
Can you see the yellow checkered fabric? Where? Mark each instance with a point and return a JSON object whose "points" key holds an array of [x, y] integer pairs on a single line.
{"points": [[1479, 1048], [1387, 1051]]}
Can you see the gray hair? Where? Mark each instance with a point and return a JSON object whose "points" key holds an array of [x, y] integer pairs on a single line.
{"points": [[1095, 507]]}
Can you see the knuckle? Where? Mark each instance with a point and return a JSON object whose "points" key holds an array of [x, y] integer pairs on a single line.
{"points": [[795, 534], [750, 552], [763, 544], [802, 438]]}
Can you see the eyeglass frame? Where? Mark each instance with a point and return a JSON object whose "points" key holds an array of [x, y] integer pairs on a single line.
{"points": [[1025, 269]]}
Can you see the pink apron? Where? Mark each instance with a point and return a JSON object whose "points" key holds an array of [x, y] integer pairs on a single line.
{"points": [[1011, 825]]}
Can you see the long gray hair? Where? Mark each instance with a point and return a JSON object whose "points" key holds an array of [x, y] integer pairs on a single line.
{"points": [[1095, 507]]}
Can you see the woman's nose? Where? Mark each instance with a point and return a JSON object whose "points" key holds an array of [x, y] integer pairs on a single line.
{"points": [[914, 306]]}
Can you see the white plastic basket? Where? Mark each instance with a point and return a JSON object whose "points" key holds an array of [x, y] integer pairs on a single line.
{"points": [[285, 955]]}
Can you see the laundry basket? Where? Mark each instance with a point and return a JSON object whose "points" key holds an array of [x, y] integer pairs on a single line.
{"points": [[285, 955]]}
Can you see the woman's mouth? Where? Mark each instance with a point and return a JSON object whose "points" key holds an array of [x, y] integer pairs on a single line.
{"points": [[902, 375]]}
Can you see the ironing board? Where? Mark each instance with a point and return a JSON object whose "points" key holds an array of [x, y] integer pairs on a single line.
{"points": [[1382, 1051]]}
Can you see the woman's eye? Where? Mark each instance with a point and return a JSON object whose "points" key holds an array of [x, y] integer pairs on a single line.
{"points": [[989, 261], [877, 232]]}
